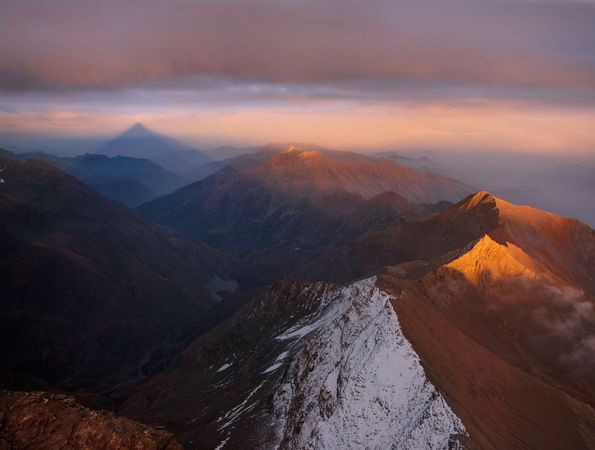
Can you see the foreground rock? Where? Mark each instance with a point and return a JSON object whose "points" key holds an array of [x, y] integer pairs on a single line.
{"points": [[42, 420]]}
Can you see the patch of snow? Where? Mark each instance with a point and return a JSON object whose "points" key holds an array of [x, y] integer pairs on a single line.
{"points": [[297, 333], [233, 414], [282, 356], [278, 363], [331, 305], [223, 367], [223, 442], [273, 367], [356, 382]]}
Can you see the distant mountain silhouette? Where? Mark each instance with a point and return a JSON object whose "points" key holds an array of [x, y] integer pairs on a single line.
{"points": [[206, 170], [131, 181], [421, 162], [140, 142]]}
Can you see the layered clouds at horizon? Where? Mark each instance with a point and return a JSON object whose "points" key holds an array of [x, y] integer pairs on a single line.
{"points": [[463, 75]]}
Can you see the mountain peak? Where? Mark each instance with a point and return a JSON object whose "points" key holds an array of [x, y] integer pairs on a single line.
{"points": [[137, 130], [293, 155], [499, 260], [507, 211], [138, 126], [301, 151], [480, 198]]}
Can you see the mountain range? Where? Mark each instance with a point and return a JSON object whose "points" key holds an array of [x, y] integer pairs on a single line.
{"points": [[277, 209], [560, 184], [296, 297], [90, 287], [482, 341]]}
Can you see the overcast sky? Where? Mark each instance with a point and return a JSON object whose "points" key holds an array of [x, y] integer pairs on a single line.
{"points": [[490, 74]]}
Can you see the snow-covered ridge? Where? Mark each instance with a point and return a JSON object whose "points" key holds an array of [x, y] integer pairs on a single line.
{"points": [[356, 382]]}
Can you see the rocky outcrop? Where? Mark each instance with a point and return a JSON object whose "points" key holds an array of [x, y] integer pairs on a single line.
{"points": [[47, 421]]}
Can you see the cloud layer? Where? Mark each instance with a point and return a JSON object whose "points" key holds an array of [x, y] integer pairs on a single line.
{"points": [[66, 44]]}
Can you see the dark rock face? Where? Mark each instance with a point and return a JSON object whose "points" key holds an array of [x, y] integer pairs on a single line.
{"points": [[43, 420], [89, 287], [223, 366]]}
